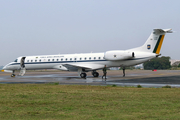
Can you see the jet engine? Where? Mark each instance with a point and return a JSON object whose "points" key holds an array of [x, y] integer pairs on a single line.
{"points": [[118, 55]]}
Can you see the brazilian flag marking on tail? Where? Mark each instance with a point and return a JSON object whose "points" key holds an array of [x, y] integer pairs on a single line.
{"points": [[159, 44]]}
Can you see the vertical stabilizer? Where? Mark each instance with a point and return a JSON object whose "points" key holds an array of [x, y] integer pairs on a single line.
{"points": [[154, 42]]}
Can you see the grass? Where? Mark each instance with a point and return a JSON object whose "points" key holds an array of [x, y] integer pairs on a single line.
{"points": [[52, 101]]}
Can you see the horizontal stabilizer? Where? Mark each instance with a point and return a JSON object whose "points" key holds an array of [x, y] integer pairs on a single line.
{"points": [[162, 31]]}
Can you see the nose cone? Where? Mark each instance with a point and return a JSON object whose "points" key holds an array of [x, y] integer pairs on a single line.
{"points": [[6, 69], [3, 69]]}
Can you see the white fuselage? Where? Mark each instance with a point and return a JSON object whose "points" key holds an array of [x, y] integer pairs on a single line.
{"points": [[91, 59]]}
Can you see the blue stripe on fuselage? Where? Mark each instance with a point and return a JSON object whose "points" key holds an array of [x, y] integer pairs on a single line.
{"points": [[72, 61], [58, 62]]}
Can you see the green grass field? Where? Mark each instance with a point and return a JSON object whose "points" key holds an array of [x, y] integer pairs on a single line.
{"points": [[50, 101]]}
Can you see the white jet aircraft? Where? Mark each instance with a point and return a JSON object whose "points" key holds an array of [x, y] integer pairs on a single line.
{"points": [[86, 62]]}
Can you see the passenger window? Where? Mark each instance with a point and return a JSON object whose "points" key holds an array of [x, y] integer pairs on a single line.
{"points": [[99, 57], [80, 58], [90, 58], [57, 59], [94, 58], [48, 59], [85, 58], [61, 59], [31, 60], [27, 60], [35, 60], [74, 58], [66, 59], [52, 59], [40, 60], [70, 58]]}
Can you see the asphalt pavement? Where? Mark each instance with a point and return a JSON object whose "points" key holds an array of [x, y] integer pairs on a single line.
{"points": [[145, 78]]}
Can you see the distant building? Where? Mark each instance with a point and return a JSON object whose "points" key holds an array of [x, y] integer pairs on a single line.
{"points": [[114, 68], [140, 66], [175, 63]]}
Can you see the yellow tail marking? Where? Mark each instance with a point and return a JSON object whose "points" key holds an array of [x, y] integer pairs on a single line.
{"points": [[160, 44], [2, 70]]}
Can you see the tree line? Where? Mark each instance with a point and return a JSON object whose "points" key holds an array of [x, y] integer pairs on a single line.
{"points": [[158, 63]]}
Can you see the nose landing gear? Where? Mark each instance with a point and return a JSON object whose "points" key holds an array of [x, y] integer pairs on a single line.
{"points": [[13, 75]]}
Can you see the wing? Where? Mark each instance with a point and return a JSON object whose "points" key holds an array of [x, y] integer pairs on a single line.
{"points": [[87, 66]]}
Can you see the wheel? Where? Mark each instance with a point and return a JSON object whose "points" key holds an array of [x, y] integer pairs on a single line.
{"points": [[95, 74], [83, 75], [13, 75]]}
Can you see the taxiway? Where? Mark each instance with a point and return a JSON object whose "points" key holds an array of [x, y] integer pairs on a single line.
{"points": [[145, 78]]}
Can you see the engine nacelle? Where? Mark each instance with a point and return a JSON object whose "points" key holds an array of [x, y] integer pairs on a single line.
{"points": [[118, 55]]}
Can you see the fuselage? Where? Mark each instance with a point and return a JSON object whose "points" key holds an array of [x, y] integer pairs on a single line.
{"points": [[59, 61]]}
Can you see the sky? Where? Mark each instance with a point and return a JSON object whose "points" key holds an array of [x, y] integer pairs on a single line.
{"points": [[45, 27]]}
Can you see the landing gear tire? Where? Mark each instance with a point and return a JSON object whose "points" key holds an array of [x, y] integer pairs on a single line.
{"points": [[13, 75], [83, 75], [95, 74]]}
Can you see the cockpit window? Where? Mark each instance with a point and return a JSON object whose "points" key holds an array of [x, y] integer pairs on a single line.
{"points": [[16, 60]]}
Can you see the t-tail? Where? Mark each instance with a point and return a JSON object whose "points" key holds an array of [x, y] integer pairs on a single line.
{"points": [[154, 42]]}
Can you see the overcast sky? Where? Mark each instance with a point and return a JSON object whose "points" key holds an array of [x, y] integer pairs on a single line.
{"points": [[44, 27]]}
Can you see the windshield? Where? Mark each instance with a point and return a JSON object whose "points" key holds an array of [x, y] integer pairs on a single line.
{"points": [[15, 60]]}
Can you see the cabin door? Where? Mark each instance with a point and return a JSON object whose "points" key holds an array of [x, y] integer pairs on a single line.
{"points": [[22, 62]]}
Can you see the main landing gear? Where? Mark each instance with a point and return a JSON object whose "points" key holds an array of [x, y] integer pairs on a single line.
{"points": [[13, 75], [83, 75], [95, 74]]}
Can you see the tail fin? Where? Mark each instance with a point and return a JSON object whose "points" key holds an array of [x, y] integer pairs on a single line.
{"points": [[154, 42]]}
